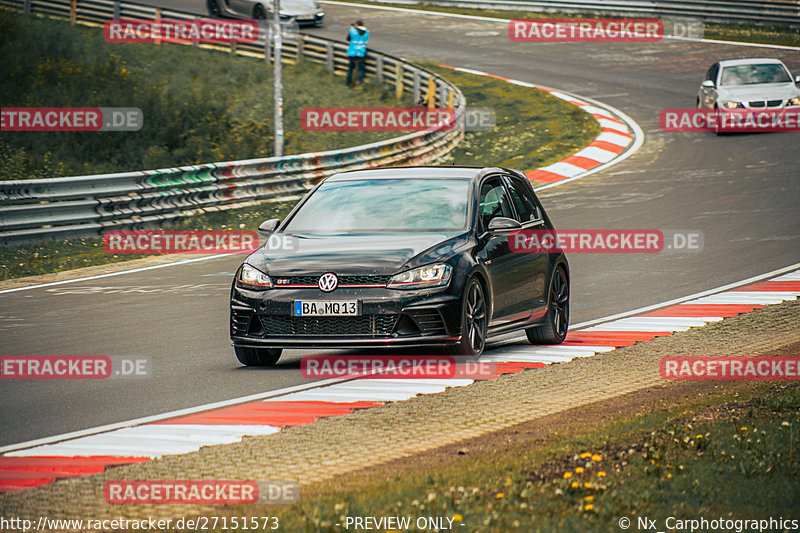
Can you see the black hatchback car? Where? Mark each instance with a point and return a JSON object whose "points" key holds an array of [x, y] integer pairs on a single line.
{"points": [[391, 257]]}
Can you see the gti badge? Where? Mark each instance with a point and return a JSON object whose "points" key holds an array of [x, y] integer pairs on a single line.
{"points": [[328, 282]]}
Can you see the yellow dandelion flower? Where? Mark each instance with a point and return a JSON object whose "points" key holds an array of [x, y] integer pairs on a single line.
{"points": [[574, 485], [500, 495], [588, 498], [699, 436], [669, 475], [589, 507], [601, 474], [744, 428], [579, 470], [596, 458], [584, 455], [567, 475], [587, 485], [458, 517]]}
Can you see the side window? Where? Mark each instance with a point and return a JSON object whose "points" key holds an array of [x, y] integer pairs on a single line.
{"points": [[494, 201], [523, 201], [711, 75]]}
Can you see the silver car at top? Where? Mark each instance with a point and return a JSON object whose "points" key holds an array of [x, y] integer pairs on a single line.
{"points": [[300, 12], [754, 83]]}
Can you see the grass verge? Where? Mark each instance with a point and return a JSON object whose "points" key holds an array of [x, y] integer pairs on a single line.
{"points": [[757, 32], [734, 456], [199, 106], [533, 129]]}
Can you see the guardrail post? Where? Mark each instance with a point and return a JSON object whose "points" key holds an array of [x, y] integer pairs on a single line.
{"points": [[416, 87], [329, 57], [451, 96], [301, 48], [268, 45], [443, 92], [430, 96], [26, 7], [398, 80], [117, 9], [157, 18], [73, 11], [379, 69], [233, 48]]}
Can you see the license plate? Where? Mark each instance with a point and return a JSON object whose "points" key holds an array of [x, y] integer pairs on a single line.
{"points": [[325, 308]]}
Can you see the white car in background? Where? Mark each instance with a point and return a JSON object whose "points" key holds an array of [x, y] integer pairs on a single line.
{"points": [[755, 83], [299, 12]]}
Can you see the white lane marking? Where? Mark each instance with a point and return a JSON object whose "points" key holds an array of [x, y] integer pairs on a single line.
{"points": [[794, 276], [564, 169], [152, 440], [743, 298], [793, 269], [614, 138], [520, 358], [167, 415], [596, 154], [506, 21], [613, 124], [110, 274]]}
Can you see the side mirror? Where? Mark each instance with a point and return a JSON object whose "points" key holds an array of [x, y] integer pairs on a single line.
{"points": [[269, 226], [797, 80], [503, 224], [708, 84]]}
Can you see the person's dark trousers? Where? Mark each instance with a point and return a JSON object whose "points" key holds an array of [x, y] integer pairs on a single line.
{"points": [[359, 63]]}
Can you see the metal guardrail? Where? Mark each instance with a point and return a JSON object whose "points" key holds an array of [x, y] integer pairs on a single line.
{"points": [[88, 205], [710, 10]]}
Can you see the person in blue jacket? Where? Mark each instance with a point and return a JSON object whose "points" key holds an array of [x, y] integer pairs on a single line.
{"points": [[357, 50]]}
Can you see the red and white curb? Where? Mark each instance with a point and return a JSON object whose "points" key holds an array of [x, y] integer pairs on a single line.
{"points": [[620, 137], [30, 465]]}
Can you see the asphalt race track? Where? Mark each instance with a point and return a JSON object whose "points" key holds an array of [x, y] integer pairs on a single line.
{"points": [[741, 191]]}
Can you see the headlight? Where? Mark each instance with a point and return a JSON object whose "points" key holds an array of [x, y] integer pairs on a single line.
{"points": [[733, 105], [252, 278], [793, 101], [437, 275]]}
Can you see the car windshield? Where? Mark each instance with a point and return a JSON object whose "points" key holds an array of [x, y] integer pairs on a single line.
{"points": [[384, 205], [753, 74]]}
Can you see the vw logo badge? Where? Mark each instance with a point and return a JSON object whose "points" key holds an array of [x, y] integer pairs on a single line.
{"points": [[328, 282]]}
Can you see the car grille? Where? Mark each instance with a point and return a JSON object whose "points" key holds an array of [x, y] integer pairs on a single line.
{"points": [[367, 326], [765, 103], [343, 280]]}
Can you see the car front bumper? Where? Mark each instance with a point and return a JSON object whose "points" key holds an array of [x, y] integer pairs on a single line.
{"points": [[387, 318]]}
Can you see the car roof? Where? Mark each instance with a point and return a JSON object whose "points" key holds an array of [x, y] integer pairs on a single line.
{"points": [[427, 172], [750, 61]]}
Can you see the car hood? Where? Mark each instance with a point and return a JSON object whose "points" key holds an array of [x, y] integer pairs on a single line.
{"points": [[762, 91], [298, 7], [373, 254]]}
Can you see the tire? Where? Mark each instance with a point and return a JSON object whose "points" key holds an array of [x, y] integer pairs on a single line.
{"points": [[214, 9], [259, 13], [556, 321], [474, 320], [250, 356]]}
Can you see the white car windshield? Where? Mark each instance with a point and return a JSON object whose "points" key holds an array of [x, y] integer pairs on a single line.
{"points": [[754, 74]]}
